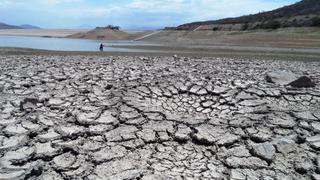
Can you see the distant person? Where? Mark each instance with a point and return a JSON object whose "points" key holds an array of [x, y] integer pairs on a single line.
{"points": [[101, 47]]}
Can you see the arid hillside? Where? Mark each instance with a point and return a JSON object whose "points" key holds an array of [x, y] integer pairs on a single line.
{"points": [[305, 13]]}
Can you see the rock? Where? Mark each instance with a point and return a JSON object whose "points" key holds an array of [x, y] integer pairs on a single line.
{"points": [[302, 81], [265, 151], [289, 78]]}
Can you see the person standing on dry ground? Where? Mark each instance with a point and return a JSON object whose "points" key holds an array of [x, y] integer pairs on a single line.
{"points": [[101, 47]]}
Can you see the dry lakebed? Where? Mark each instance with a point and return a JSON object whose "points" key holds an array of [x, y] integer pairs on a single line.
{"points": [[152, 118]]}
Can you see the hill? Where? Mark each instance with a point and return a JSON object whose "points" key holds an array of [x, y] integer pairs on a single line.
{"points": [[302, 14], [23, 26], [7, 26], [28, 26], [103, 33]]}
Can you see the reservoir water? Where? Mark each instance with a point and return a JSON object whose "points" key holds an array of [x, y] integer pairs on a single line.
{"points": [[65, 44]]}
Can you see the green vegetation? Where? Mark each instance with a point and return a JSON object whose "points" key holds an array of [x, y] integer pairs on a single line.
{"points": [[315, 21], [273, 24]]}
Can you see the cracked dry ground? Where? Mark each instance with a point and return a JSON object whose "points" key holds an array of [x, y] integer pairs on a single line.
{"points": [[145, 118]]}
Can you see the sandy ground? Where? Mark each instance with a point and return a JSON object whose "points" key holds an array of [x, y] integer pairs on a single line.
{"points": [[117, 117], [229, 52], [40, 32], [282, 38]]}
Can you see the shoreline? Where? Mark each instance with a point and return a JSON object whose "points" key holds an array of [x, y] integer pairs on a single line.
{"points": [[170, 51]]}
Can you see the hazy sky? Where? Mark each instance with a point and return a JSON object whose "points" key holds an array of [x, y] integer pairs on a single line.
{"points": [[127, 13]]}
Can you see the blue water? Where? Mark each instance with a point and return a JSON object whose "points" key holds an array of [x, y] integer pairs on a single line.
{"points": [[65, 44]]}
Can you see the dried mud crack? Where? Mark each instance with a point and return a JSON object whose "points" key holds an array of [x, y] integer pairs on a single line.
{"points": [[80, 117]]}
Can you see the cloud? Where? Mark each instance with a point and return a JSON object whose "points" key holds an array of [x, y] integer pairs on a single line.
{"points": [[64, 13]]}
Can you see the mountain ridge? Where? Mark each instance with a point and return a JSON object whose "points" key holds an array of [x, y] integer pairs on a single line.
{"points": [[23, 26], [301, 9]]}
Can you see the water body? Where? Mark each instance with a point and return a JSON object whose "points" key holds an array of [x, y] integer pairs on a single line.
{"points": [[65, 44]]}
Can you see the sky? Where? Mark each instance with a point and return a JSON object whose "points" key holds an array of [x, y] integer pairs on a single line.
{"points": [[128, 14]]}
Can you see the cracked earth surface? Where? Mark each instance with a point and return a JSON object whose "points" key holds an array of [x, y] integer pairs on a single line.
{"points": [[78, 117]]}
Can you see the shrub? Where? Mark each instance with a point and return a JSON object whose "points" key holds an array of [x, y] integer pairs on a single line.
{"points": [[315, 21], [273, 24], [245, 27]]}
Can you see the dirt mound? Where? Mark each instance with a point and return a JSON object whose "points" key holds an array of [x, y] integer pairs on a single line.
{"points": [[100, 33]]}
